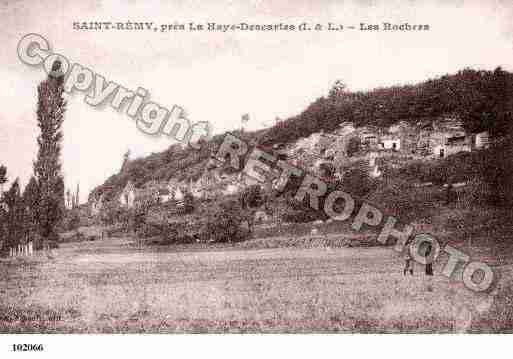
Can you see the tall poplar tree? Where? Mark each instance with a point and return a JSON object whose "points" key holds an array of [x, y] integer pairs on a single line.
{"points": [[51, 107], [31, 201]]}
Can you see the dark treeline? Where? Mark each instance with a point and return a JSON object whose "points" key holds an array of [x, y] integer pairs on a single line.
{"points": [[480, 99]]}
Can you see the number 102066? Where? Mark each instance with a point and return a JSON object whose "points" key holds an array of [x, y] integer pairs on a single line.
{"points": [[27, 347]]}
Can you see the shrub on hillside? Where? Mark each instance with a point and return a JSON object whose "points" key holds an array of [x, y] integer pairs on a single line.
{"points": [[404, 201], [111, 213], [353, 146], [498, 172], [357, 182], [147, 230], [224, 224], [300, 216], [71, 220], [460, 167]]}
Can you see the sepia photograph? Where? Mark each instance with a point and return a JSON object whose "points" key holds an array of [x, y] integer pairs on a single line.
{"points": [[255, 167]]}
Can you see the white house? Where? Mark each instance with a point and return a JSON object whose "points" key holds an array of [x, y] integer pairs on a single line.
{"points": [[168, 191], [232, 188], [391, 143], [345, 128], [309, 143], [482, 140], [127, 196], [374, 170], [452, 144], [165, 195]]}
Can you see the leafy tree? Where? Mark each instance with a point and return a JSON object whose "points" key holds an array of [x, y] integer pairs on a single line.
{"points": [[47, 167], [327, 170], [111, 213], [31, 199], [15, 215], [353, 146], [357, 181], [251, 198], [3, 225], [126, 159], [224, 223], [74, 220], [498, 172], [337, 89], [188, 201]]}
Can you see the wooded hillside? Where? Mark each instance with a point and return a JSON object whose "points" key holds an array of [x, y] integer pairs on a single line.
{"points": [[480, 99]]}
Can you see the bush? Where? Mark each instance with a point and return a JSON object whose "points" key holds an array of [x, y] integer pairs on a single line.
{"points": [[497, 172], [149, 230], [178, 234], [357, 182], [251, 197], [460, 167], [225, 224], [405, 202], [52, 244], [300, 216], [71, 220], [353, 146]]}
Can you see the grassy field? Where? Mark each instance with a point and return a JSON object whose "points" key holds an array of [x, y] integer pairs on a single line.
{"points": [[114, 287]]}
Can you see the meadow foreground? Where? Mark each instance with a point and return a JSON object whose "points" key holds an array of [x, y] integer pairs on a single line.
{"points": [[112, 287]]}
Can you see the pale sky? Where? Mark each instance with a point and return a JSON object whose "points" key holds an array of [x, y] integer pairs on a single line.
{"points": [[217, 77]]}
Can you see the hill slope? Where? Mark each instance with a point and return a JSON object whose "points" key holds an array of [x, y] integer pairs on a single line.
{"points": [[480, 99]]}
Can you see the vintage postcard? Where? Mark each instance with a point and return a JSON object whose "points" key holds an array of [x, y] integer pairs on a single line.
{"points": [[256, 166]]}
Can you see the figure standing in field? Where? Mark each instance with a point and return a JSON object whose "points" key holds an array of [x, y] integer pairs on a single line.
{"points": [[429, 263], [449, 193]]}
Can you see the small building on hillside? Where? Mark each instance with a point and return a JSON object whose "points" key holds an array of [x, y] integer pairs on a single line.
{"points": [[170, 191], [405, 136], [374, 170], [205, 187], [482, 140], [232, 188], [390, 142], [453, 145], [309, 143], [261, 217], [443, 137], [369, 137], [127, 195], [164, 195], [449, 137], [345, 128]]}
